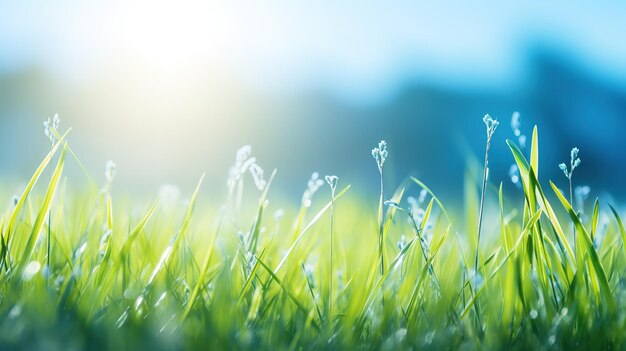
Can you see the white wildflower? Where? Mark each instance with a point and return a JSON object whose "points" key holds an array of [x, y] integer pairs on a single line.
{"points": [[242, 162], [257, 175], [312, 186], [491, 125], [332, 182], [574, 162], [51, 125], [380, 154]]}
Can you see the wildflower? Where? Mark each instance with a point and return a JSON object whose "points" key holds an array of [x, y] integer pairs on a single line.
{"points": [[380, 154], [332, 182], [491, 124], [312, 186], [257, 175], [393, 204], [242, 162], [574, 162], [51, 125], [109, 172]]}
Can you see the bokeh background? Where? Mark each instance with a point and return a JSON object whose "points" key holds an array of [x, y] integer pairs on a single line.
{"points": [[171, 90]]}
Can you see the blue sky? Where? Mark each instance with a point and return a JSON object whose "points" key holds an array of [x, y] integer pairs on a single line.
{"points": [[358, 50]]}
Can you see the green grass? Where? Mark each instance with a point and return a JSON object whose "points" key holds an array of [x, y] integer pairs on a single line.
{"points": [[154, 276]]}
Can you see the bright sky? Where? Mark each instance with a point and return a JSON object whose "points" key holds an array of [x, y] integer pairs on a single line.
{"points": [[356, 49]]}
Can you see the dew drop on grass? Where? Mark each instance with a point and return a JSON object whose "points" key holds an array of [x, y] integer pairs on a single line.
{"points": [[533, 314]]}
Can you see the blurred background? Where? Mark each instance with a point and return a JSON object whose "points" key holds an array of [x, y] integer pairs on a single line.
{"points": [[170, 90]]}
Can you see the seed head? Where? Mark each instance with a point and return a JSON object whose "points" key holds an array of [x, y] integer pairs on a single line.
{"points": [[50, 125], [257, 175], [312, 186], [380, 154], [574, 162], [332, 182], [563, 167], [491, 124], [244, 162]]}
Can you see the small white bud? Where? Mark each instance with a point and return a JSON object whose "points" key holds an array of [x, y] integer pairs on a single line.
{"points": [[332, 182]]}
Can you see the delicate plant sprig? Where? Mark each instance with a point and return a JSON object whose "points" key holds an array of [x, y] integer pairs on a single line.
{"points": [[332, 183], [312, 186], [244, 162], [50, 128], [380, 155], [257, 175], [51, 125], [423, 240], [491, 125], [574, 163]]}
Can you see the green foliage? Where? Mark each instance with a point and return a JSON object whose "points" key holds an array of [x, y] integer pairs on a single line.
{"points": [[185, 277]]}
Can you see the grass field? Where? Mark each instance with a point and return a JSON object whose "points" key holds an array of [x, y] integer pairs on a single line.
{"points": [[83, 270]]}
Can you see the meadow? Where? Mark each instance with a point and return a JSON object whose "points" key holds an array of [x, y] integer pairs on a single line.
{"points": [[82, 269]]}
